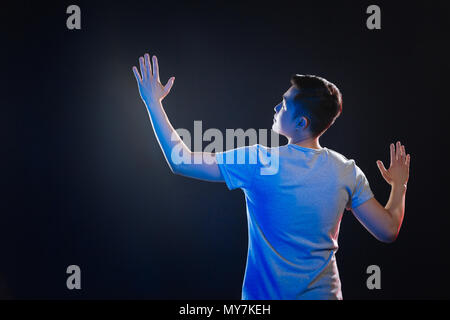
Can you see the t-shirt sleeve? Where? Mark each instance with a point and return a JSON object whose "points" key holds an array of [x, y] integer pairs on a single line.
{"points": [[238, 166], [361, 191]]}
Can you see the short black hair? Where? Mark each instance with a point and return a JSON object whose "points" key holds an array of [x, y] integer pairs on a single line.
{"points": [[319, 100]]}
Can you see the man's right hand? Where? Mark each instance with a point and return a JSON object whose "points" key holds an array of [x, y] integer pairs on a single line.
{"points": [[398, 172], [384, 223], [150, 87]]}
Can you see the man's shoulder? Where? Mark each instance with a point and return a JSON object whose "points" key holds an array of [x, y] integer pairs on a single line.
{"points": [[339, 156], [340, 159]]}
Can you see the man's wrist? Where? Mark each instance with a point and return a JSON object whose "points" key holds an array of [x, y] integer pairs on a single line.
{"points": [[399, 186], [151, 103]]}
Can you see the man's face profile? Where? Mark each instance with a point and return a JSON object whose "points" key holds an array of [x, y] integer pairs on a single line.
{"points": [[284, 121]]}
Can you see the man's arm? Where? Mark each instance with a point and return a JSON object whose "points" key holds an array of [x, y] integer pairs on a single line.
{"points": [[384, 222], [152, 93]]}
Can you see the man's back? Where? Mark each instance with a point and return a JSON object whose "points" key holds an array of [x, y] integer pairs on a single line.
{"points": [[293, 211], [294, 217]]}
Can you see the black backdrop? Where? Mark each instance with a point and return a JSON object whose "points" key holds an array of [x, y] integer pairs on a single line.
{"points": [[85, 183]]}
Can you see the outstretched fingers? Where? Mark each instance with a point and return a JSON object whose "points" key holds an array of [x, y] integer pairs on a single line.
{"points": [[403, 154], [155, 68], [398, 151], [392, 151], [169, 85], [143, 68], [146, 78], [382, 169], [136, 74], [148, 65]]}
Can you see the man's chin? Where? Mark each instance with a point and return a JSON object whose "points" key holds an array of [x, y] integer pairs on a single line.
{"points": [[278, 131], [275, 128]]}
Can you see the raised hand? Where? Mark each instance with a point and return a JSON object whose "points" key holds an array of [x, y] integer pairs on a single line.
{"points": [[150, 87], [398, 172]]}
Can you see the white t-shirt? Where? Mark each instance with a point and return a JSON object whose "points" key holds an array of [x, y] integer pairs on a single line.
{"points": [[295, 199]]}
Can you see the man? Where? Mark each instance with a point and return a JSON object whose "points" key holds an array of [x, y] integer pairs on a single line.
{"points": [[294, 214]]}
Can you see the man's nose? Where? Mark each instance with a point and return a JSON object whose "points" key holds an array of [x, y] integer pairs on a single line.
{"points": [[277, 107]]}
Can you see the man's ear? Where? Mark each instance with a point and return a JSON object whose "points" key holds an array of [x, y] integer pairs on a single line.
{"points": [[302, 122]]}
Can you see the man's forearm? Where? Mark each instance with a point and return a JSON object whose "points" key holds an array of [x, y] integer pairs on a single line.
{"points": [[396, 205], [166, 135]]}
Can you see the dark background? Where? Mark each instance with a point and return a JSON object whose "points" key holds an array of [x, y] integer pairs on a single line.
{"points": [[84, 180]]}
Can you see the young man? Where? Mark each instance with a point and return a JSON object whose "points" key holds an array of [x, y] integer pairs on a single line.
{"points": [[293, 215]]}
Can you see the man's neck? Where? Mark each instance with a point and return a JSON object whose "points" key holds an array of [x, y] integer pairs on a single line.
{"points": [[312, 143]]}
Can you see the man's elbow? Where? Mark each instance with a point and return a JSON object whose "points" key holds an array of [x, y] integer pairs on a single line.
{"points": [[389, 237], [180, 166], [175, 169], [179, 169]]}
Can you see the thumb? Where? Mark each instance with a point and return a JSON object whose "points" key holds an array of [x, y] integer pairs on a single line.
{"points": [[382, 168], [169, 85]]}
